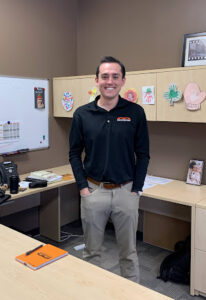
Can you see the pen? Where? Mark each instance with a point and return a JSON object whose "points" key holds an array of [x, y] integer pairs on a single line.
{"points": [[16, 152], [31, 251], [23, 150], [10, 153]]}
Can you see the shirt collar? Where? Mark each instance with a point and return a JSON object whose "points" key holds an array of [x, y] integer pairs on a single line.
{"points": [[121, 103]]}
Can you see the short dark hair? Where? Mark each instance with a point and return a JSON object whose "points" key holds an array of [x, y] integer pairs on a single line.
{"points": [[110, 59], [192, 164]]}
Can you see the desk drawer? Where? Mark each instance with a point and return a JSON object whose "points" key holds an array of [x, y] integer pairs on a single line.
{"points": [[19, 204], [200, 232], [200, 271]]}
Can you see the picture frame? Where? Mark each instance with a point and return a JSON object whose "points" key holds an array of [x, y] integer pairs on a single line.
{"points": [[195, 170], [194, 49]]}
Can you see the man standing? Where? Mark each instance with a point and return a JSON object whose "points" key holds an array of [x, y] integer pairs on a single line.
{"points": [[113, 134]]}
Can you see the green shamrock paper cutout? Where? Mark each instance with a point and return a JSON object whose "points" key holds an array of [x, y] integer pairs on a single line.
{"points": [[173, 94]]}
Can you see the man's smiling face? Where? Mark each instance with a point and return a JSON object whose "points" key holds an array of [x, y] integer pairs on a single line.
{"points": [[110, 80]]}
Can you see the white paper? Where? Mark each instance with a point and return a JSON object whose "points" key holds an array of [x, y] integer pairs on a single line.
{"points": [[157, 180], [148, 185], [148, 95], [24, 184]]}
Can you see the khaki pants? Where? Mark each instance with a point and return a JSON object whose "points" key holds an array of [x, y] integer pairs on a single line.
{"points": [[122, 207]]}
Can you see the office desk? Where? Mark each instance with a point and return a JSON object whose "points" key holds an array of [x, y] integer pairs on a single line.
{"points": [[66, 279], [185, 194], [174, 192], [50, 202]]}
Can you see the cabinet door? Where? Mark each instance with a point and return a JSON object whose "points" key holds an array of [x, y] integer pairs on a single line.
{"points": [[200, 271], [136, 82], [178, 112], [200, 232], [88, 89], [60, 86], [79, 87]]}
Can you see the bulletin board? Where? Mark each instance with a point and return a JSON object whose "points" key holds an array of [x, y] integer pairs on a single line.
{"points": [[24, 114]]}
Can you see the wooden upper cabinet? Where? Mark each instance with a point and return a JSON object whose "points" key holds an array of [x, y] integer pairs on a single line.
{"points": [[135, 81], [161, 110], [78, 86], [178, 112], [81, 88]]}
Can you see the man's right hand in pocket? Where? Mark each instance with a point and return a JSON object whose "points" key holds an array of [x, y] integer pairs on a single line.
{"points": [[84, 192]]}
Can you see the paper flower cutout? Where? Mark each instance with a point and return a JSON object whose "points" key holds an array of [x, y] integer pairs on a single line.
{"points": [[130, 95], [67, 101], [173, 94], [193, 96], [92, 94]]}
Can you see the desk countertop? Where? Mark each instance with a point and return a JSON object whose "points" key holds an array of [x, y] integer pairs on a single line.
{"points": [[202, 204], [67, 278], [177, 192]]}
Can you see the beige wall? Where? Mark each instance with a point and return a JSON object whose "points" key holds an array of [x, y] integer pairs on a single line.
{"points": [[38, 39], [173, 145], [146, 34]]}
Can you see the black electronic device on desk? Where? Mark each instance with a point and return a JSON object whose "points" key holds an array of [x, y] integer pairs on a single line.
{"points": [[8, 169], [36, 183]]}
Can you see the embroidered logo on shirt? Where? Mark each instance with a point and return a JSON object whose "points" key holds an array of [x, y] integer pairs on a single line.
{"points": [[124, 119]]}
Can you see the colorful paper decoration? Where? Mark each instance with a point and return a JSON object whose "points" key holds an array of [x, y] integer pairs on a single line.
{"points": [[39, 97], [193, 96], [130, 95], [173, 94], [67, 101], [92, 93], [148, 96]]}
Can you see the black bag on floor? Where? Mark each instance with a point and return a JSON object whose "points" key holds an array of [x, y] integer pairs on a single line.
{"points": [[176, 266]]}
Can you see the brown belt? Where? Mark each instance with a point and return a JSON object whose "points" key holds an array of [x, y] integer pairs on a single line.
{"points": [[106, 185]]}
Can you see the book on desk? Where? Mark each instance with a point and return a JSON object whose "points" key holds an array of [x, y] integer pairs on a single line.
{"points": [[45, 175], [41, 256]]}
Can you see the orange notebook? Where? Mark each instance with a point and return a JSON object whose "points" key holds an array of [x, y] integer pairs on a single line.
{"points": [[42, 256]]}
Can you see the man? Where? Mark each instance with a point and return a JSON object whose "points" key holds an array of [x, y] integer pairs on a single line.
{"points": [[113, 133]]}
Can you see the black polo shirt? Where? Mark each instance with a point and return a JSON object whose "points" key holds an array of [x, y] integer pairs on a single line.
{"points": [[115, 142]]}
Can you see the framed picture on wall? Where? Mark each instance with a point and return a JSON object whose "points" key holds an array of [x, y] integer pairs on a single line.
{"points": [[195, 170], [194, 49]]}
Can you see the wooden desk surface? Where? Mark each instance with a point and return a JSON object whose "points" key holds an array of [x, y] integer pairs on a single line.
{"points": [[62, 170], [177, 192], [68, 278], [201, 204]]}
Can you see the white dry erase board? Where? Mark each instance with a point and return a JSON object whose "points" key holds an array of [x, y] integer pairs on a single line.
{"points": [[23, 114]]}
